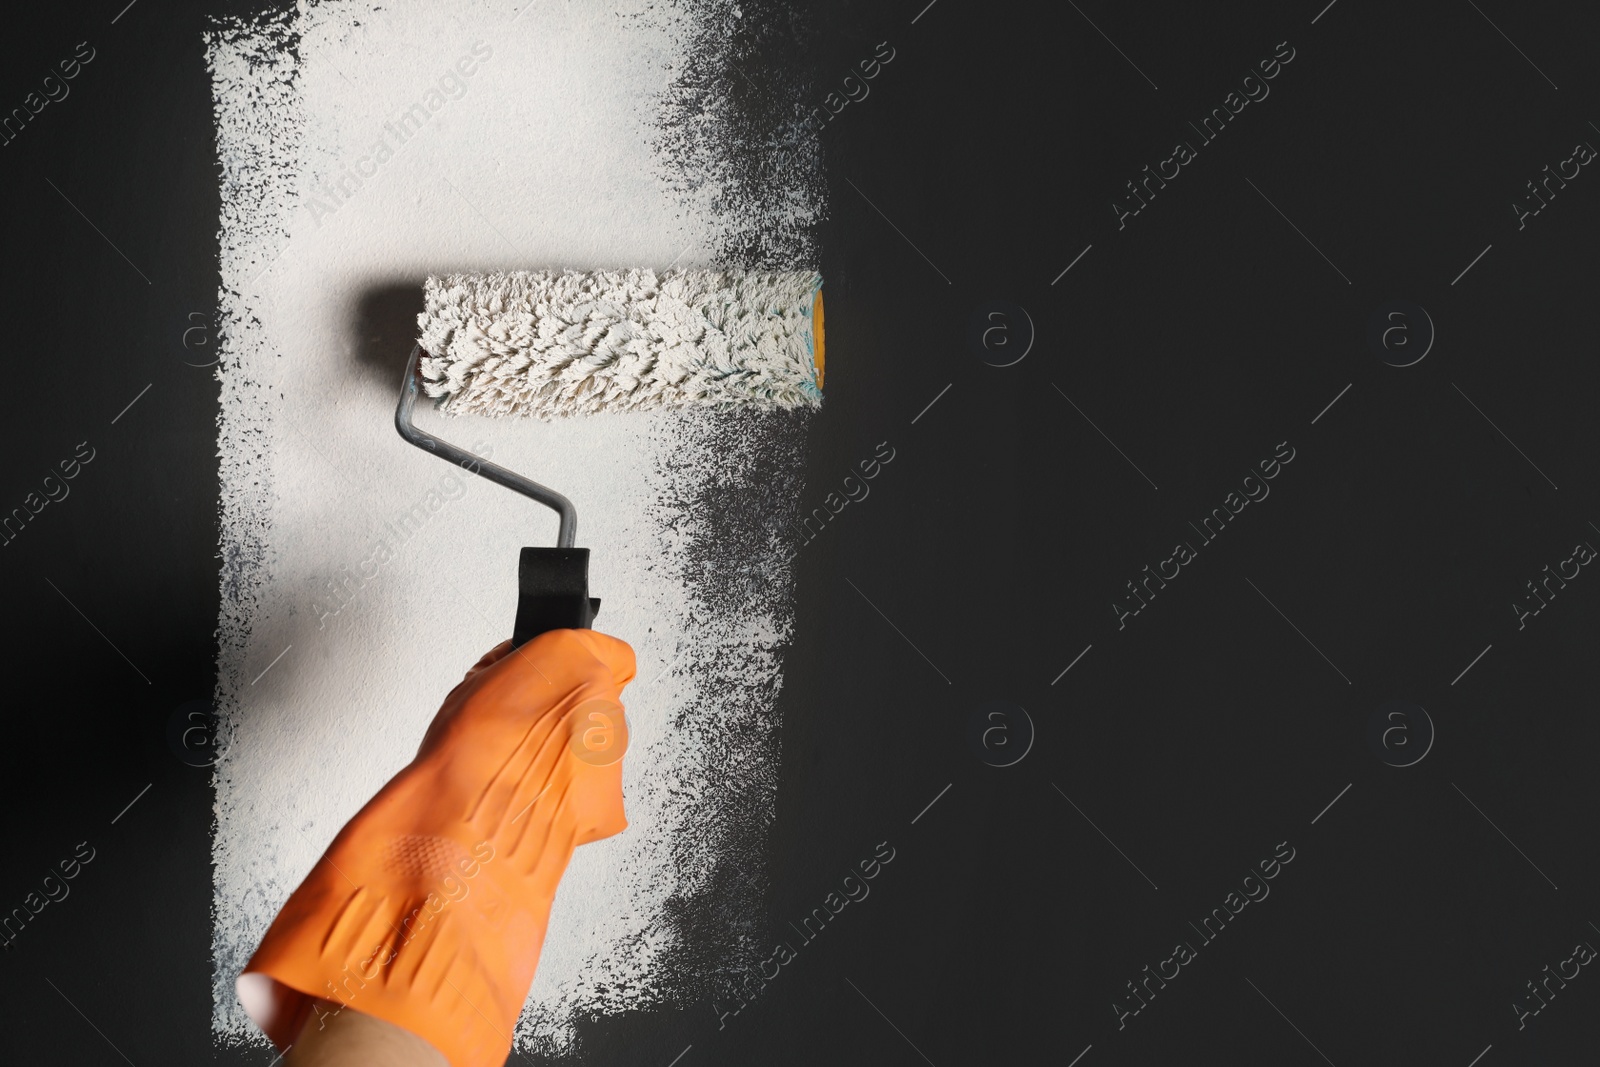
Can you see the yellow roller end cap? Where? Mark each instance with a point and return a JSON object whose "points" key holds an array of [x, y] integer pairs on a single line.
{"points": [[816, 335]]}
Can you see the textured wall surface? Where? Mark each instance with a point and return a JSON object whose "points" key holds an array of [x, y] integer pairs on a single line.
{"points": [[1186, 650], [364, 147]]}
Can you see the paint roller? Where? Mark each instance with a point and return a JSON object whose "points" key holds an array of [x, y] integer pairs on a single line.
{"points": [[556, 344], [367, 927]]}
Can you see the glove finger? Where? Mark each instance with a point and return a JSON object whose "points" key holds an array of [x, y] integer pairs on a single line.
{"points": [[498, 652], [614, 652], [577, 656]]}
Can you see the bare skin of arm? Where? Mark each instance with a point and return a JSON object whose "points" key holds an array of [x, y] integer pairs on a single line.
{"points": [[348, 1038]]}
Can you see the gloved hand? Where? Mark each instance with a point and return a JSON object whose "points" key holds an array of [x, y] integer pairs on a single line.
{"points": [[429, 908]]}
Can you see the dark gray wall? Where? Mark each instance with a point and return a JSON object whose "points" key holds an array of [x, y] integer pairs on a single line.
{"points": [[1183, 746]]}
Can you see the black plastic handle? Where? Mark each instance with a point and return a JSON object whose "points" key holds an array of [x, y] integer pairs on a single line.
{"points": [[552, 593]]}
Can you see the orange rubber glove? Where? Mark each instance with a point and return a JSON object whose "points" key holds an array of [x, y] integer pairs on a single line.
{"points": [[429, 908]]}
